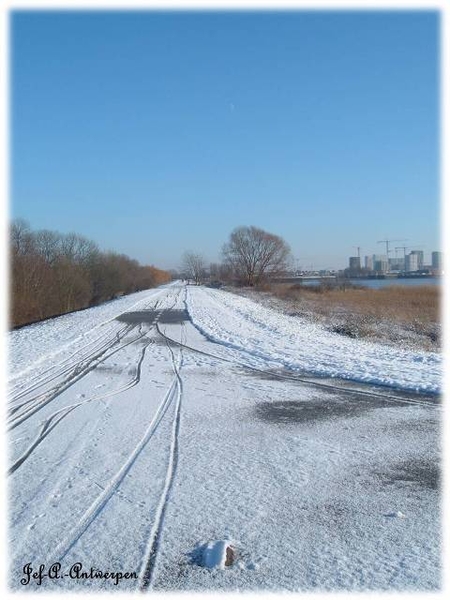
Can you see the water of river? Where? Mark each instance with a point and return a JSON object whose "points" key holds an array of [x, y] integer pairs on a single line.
{"points": [[377, 284], [381, 283]]}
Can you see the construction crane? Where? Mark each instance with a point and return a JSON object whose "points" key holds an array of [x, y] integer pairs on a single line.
{"points": [[359, 251], [359, 255], [387, 242]]}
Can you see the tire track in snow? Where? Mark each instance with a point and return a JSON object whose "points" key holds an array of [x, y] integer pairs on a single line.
{"points": [[70, 370], [96, 507], [37, 403], [48, 356], [100, 502], [387, 397], [153, 544], [53, 420], [55, 371], [77, 372], [66, 365], [376, 359]]}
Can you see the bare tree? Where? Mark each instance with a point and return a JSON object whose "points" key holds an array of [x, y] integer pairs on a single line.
{"points": [[20, 236], [77, 248], [194, 265], [255, 254], [48, 245]]}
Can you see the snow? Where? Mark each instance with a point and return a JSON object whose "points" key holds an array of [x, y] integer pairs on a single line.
{"points": [[34, 343], [136, 454], [214, 554], [294, 344]]}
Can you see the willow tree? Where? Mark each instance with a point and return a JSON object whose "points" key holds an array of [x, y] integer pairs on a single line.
{"points": [[255, 255]]}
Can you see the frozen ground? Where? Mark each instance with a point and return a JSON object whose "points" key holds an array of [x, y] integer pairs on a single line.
{"points": [[196, 422]]}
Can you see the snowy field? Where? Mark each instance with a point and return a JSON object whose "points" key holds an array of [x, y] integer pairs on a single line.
{"points": [[151, 434]]}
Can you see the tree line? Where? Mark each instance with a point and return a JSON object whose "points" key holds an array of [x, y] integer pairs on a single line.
{"points": [[250, 257], [54, 273]]}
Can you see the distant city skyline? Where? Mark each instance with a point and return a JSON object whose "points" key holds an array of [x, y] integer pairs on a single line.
{"points": [[163, 131], [399, 255], [413, 260]]}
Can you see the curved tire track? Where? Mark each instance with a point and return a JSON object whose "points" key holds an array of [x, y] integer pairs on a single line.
{"points": [[37, 403], [154, 541], [301, 380], [100, 502], [53, 420]]}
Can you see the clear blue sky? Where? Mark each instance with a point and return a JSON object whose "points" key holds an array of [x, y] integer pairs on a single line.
{"points": [[156, 132]]}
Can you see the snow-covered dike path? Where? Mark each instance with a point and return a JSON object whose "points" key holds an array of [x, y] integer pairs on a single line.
{"points": [[185, 438]]}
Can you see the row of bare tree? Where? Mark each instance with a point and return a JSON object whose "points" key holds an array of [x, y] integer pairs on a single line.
{"points": [[250, 257], [53, 273]]}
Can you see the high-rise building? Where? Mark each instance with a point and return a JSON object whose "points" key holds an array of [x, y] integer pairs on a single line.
{"points": [[368, 262], [354, 263], [419, 254], [396, 264], [380, 263], [436, 261], [412, 262]]}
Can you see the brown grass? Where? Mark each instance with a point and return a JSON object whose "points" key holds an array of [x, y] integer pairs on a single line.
{"points": [[399, 303], [363, 312]]}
